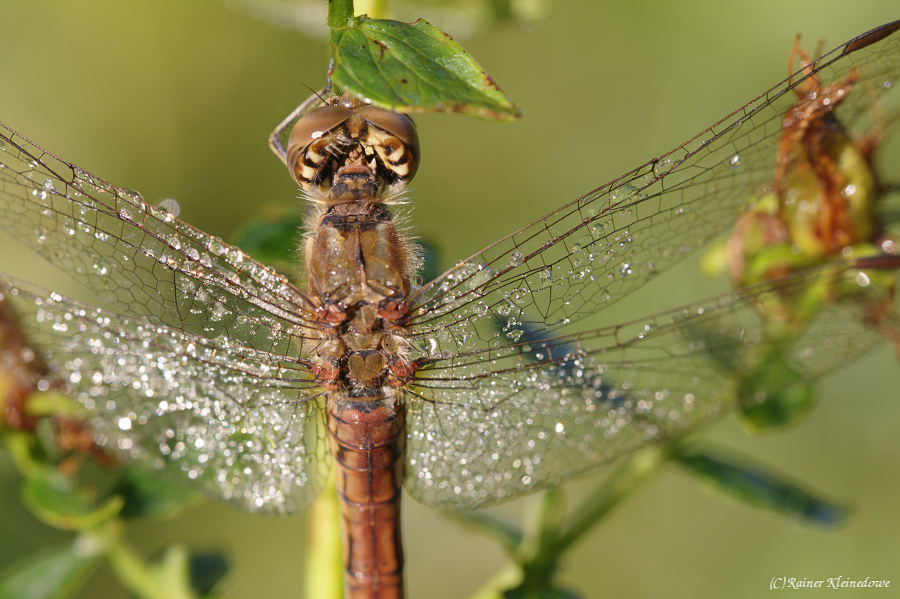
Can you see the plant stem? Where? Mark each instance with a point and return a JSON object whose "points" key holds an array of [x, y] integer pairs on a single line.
{"points": [[340, 13], [631, 475], [169, 580], [324, 564]]}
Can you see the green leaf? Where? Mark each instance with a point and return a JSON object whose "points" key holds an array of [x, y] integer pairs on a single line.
{"points": [[414, 68], [535, 591], [53, 403], [206, 571], [22, 448], [757, 485], [168, 576], [148, 494], [57, 503], [53, 573], [773, 395]]}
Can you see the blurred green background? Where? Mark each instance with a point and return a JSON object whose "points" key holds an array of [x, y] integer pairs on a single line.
{"points": [[176, 99]]}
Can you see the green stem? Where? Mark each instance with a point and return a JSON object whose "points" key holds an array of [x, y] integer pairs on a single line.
{"points": [[169, 580], [340, 13], [538, 562], [630, 476], [324, 564]]}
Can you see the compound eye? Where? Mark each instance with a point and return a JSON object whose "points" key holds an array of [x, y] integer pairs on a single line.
{"points": [[308, 141], [318, 123], [394, 138], [397, 124]]}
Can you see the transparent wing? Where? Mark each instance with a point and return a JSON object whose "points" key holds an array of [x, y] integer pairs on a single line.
{"points": [[595, 250], [505, 418], [243, 424], [495, 416], [141, 259]]}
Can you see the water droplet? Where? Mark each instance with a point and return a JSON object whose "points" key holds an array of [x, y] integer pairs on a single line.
{"points": [[216, 246], [171, 206], [516, 258], [135, 195], [623, 193]]}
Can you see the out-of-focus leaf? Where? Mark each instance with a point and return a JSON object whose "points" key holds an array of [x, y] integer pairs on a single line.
{"points": [[148, 494], [21, 447], [53, 403], [165, 578], [52, 573], [550, 592], [206, 571], [64, 507], [414, 67], [757, 485], [773, 395]]}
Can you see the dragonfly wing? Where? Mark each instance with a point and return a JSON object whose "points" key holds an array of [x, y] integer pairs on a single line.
{"points": [[139, 258], [582, 257], [490, 418], [493, 419], [242, 424], [514, 399]]}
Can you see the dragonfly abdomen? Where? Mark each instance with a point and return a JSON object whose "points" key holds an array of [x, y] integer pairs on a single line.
{"points": [[367, 441]]}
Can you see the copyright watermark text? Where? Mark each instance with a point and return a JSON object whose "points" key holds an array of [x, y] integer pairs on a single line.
{"points": [[779, 583]]}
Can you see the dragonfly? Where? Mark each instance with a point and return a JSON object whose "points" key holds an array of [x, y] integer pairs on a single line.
{"points": [[475, 387]]}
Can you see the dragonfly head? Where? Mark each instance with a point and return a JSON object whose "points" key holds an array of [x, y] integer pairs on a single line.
{"points": [[327, 138]]}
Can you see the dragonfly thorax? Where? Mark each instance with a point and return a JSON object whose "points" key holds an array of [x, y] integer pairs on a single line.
{"points": [[354, 184], [359, 267]]}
